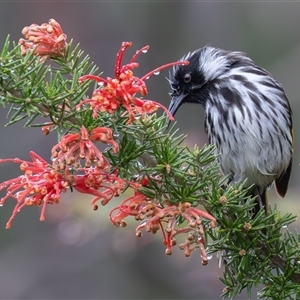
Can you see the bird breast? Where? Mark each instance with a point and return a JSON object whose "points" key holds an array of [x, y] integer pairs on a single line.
{"points": [[245, 148]]}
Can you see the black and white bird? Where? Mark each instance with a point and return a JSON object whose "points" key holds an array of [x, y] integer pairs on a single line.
{"points": [[247, 116]]}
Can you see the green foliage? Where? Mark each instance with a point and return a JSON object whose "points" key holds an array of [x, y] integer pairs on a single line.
{"points": [[255, 249], [34, 88]]}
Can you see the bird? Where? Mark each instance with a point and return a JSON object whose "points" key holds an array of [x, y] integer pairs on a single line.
{"points": [[248, 117]]}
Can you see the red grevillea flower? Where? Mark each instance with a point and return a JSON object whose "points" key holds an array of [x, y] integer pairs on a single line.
{"points": [[76, 146], [155, 217], [40, 185], [47, 40], [103, 185], [122, 90]]}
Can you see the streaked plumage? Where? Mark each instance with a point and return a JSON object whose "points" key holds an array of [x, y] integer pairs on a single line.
{"points": [[247, 115]]}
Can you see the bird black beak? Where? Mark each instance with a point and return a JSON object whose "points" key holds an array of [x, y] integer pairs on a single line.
{"points": [[176, 103]]}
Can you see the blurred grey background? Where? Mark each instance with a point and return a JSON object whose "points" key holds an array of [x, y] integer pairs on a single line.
{"points": [[76, 253]]}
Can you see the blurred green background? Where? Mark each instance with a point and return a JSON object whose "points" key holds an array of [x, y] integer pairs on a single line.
{"points": [[76, 253]]}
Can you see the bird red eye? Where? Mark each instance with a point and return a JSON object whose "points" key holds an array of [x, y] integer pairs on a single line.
{"points": [[187, 78]]}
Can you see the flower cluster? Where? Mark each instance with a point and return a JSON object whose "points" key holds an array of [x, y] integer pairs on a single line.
{"points": [[74, 147], [102, 185], [40, 185], [46, 40], [154, 217], [121, 90]]}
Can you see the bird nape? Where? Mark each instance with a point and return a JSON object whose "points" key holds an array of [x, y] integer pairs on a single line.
{"points": [[247, 116]]}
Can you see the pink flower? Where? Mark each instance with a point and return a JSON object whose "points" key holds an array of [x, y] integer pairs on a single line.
{"points": [[76, 146], [40, 185], [154, 217], [103, 185], [47, 40], [122, 90]]}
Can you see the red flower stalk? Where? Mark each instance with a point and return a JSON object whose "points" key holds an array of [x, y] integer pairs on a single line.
{"points": [[122, 90], [47, 40], [40, 185], [76, 146], [155, 217]]}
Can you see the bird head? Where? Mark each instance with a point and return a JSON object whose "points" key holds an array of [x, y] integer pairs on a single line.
{"points": [[191, 83]]}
